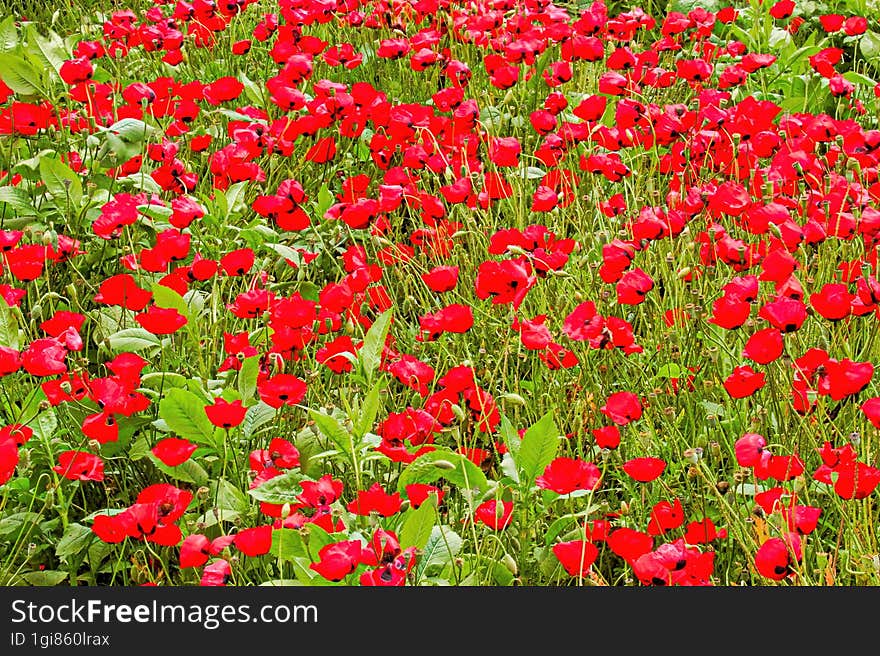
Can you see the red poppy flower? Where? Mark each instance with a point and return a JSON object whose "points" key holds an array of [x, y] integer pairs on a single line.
{"points": [[225, 414], [321, 493], [254, 541], [505, 282], [703, 532], [495, 515], [282, 389], [764, 346], [173, 451], [645, 469], [775, 559], [576, 556], [629, 544], [786, 314], [744, 381], [216, 574], [749, 449], [782, 9], [665, 516], [8, 459], [80, 466], [375, 500], [565, 475], [607, 437], [441, 278], [583, 323], [622, 408], [122, 290], [161, 321], [334, 354], [418, 493], [338, 560]]}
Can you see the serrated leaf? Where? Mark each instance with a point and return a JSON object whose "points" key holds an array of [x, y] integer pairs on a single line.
{"points": [[229, 497], [8, 326], [539, 446], [256, 416], [280, 489], [20, 75], [370, 355], [75, 540], [184, 412], [441, 548], [132, 339], [61, 181], [425, 469], [418, 524], [247, 376]]}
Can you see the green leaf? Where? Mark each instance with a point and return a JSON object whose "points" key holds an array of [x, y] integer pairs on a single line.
{"points": [[670, 370], [325, 199], [61, 181], [229, 497], [256, 416], [441, 548], [75, 540], [538, 448], [8, 34], [279, 490], [133, 340], [130, 130], [235, 198], [334, 431], [247, 376], [48, 51], [18, 199], [287, 544], [8, 326], [510, 436], [44, 424], [370, 354], [443, 463], [858, 78], [20, 75], [184, 412], [418, 524], [45, 578], [165, 297], [189, 471], [369, 410], [869, 44]]}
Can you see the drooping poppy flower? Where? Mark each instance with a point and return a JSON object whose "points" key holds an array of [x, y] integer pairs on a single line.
{"points": [[80, 466], [776, 558], [565, 475], [644, 469], [622, 408], [749, 449], [576, 556], [161, 321]]}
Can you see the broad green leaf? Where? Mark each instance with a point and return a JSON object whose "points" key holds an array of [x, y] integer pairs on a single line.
{"points": [[334, 431], [133, 339], [45, 578], [8, 34], [20, 75], [858, 78], [869, 44], [184, 412], [418, 524], [44, 424], [441, 548], [670, 370], [256, 416], [510, 436], [165, 297], [48, 51], [75, 540], [279, 490], [370, 354], [189, 471], [229, 497], [325, 199], [61, 181], [317, 537], [539, 446], [8, 326], [235, 198], [130, 130], [18, 199], [247, 377], [287, 544], [443, 463]]}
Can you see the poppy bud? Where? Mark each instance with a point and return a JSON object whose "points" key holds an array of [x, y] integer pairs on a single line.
{"points": [[510, 564], [693, 455], [94, 446], [203, 492], [285, 511], [458, 412], [44, 405], [443, 464]]}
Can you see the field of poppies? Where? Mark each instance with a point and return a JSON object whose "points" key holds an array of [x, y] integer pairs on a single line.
{"points": [[433, 292]]}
